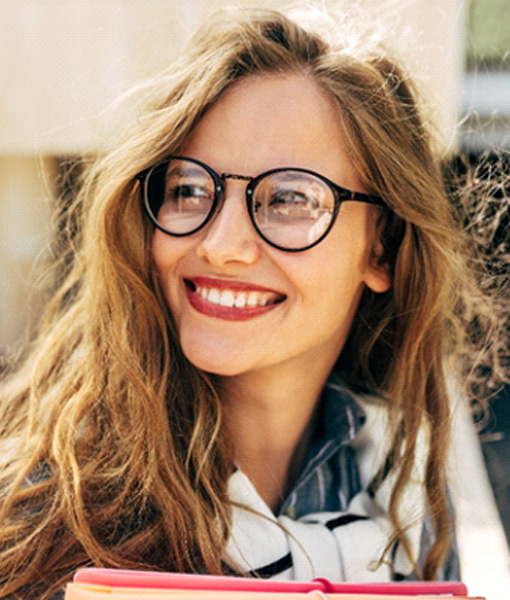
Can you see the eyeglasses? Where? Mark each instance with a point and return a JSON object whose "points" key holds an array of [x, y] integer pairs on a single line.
{"points": [[292, 209]]}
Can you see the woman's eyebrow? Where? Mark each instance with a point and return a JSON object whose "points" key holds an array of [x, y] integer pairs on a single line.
{"points": [[185, 171]]}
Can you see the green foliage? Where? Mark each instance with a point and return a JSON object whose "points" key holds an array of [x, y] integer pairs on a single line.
{"points": [[488, 33]]}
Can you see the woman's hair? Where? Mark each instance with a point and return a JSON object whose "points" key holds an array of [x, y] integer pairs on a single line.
{"points": [[113, 448]]}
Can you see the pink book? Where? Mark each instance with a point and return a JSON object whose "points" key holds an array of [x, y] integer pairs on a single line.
{"points": [[114, 584]]}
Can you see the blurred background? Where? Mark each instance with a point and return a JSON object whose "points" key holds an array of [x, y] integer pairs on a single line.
{"points": [[63, 63]]}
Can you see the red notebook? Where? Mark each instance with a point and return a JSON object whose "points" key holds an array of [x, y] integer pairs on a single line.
{"points": [[113, 584]]}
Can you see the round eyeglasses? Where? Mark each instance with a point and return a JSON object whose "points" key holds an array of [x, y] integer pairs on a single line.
{"points": [[292, 209]]}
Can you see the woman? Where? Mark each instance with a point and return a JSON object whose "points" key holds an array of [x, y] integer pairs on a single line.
{"points": [[243, 375]]}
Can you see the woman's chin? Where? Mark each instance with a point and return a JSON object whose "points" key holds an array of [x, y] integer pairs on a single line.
{"points": [[217, 363], [218, 352], [220, 369]]}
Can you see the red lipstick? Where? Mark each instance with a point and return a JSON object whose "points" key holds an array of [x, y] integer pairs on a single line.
{"points": [[230, 300]]}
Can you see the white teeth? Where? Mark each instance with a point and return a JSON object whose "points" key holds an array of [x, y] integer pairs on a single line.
{"points": [[227, 299], [236, 299], [253, 299], [214, 296], [240, 301]]}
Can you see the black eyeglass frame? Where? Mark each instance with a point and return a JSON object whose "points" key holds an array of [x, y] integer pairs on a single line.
{"points": [[340, 194]]}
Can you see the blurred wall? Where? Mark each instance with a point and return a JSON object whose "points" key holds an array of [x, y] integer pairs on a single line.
{"points": [[486, 87], [64, 61]]}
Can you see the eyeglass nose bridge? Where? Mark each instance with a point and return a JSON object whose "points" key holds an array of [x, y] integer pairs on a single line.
{"points": [[220, 190], [236, 176], [249, 194]]}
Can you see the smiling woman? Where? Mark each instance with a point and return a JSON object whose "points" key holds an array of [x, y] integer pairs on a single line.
{"points": [[305, 301], [244, 367]]}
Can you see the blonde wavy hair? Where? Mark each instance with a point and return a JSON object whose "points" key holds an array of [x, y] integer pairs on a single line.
{"points": [[113, 449]]}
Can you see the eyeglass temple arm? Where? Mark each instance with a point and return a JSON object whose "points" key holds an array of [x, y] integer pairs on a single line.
{"points": [[346, 195]]}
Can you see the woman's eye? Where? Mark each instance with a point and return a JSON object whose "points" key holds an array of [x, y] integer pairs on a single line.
{"points": [[187, 196], [292, 202]]}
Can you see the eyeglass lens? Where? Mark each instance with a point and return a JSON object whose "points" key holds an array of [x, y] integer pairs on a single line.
{"points": [[291, 209]]}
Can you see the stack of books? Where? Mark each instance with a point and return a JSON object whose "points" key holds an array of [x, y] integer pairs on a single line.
{"points": [[113, 584]]}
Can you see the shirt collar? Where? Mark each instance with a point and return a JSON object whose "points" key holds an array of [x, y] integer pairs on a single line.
{"points": [[339, 420], [341, 416]]}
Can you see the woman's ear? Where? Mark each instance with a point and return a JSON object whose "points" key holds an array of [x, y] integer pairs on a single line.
{"points": [[378, 275]]}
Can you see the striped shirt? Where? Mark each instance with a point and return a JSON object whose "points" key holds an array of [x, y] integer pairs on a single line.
{"points": [[330, 510], [329, 496]]}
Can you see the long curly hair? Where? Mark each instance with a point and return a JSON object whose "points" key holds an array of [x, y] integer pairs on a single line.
{"points": [[113, 448]]}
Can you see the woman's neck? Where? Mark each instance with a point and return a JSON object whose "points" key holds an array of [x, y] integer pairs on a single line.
{"points": [[271, 422]]}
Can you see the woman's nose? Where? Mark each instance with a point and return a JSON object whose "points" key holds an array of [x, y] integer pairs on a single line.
{"points": [[230, 237]]}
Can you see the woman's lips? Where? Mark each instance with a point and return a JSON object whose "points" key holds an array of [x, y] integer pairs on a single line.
{"points": [[230, 300]]}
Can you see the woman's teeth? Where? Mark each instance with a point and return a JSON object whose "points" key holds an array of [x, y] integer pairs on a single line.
{"points": [[236, 299]]}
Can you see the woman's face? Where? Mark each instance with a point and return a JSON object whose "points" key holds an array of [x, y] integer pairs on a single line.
{"points": [[305, 301]]}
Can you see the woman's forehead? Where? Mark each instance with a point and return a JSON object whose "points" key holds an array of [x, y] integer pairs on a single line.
{"points": [[266, 121]]}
